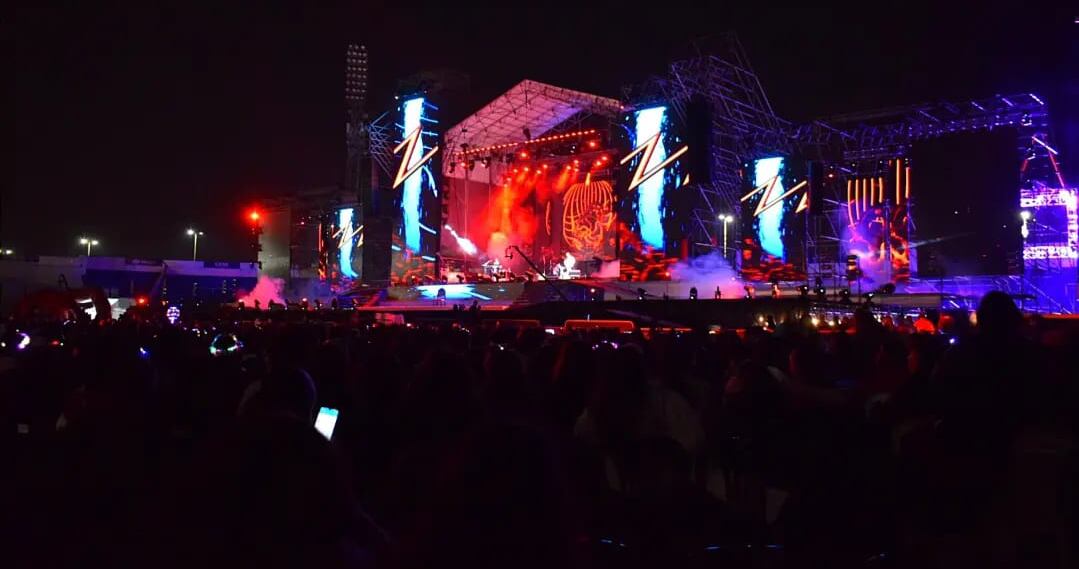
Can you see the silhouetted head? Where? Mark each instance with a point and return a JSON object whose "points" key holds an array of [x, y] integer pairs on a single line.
{"points": [[998, 315], [808, 365], [752, 389], [504, 373], [288, 392]]}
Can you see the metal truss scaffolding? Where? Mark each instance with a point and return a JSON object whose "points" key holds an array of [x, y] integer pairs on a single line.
{"points": [[380, 137], [888, 133], [743, 125]]}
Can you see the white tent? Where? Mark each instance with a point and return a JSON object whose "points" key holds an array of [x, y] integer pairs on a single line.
{"points": [[531, 105]]}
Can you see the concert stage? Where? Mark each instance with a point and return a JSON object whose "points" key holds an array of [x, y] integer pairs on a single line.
{"points": [[547, 197], [652, 304]]}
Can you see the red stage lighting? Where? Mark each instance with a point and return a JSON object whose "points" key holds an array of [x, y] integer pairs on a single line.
{"points": [[523, 154], [254, 216], [592, 144]]}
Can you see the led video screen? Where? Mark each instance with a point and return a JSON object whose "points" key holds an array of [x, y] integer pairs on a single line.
{"points": [[773, 219]]}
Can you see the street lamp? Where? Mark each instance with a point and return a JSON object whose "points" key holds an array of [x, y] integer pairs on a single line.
{"points": [[194, 234], [726, 219], [8, 252], [89, 242]]}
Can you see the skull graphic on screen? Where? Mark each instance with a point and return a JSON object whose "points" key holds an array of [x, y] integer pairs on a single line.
{"points": [[587, 215]]}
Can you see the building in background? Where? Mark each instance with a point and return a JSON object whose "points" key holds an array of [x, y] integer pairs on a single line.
{"points": [[123, 280]]}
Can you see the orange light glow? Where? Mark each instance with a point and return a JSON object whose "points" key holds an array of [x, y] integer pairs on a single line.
{"points": [[850, 216], [254, 216], [898, 168], [803, 204], [906, 172]]}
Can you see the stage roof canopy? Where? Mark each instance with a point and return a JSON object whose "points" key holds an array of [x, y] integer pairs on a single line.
{"points": [[539, 107]]}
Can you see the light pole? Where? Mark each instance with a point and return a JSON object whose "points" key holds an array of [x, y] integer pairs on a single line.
{"points": [[89, 242], [726, 219], [194, 233]]}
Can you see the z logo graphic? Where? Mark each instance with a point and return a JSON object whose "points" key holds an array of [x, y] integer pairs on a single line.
{"points": [[410, 142], [767, 201], [646, 150]]}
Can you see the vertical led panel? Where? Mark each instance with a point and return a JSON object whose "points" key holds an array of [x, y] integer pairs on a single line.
{"points": [[346, 241], [649, 123], [412, 186], [417, 200], [769, 232]]}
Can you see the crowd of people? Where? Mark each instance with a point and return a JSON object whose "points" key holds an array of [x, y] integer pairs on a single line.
{"points": [[150, 444]]}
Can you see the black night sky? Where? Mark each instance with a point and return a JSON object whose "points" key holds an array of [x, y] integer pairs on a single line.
{"points": [[134, 121]]}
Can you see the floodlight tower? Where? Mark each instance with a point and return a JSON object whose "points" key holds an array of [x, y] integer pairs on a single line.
{"points": [[357, 180], [356, 139]]}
